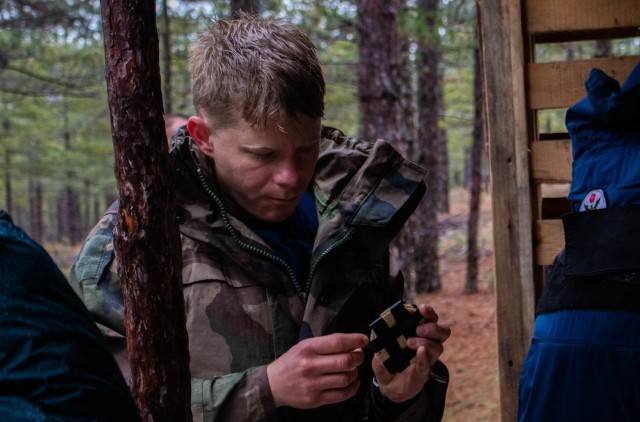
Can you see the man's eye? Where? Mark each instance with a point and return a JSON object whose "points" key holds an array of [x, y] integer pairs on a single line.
{"points": [[263, 155]]}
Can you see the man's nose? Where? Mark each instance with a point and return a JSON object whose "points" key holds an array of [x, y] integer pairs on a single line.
{"points": [[287, 174]]}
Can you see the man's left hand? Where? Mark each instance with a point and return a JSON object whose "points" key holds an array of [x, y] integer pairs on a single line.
{"points": [[428, 345]]}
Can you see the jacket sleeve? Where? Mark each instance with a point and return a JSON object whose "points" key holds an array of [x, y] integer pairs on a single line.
{"points": [[236, 396], [428, 406], [94, 278], [94, 275], [53, 360]]}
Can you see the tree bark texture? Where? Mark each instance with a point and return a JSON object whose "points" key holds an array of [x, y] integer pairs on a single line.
{"points": [[35, 210], [247, 6], [378, 71], [166, 49], [146, 236], [69, 218], [7, 175], [428, 268], [386, 100], [404, 244], [471, 283], [443, 155], [603, 48]]}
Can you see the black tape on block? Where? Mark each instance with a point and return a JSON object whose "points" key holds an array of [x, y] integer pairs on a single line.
{"points": [[390, 332]]}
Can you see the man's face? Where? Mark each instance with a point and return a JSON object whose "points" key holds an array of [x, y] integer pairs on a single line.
{"points": [[265, 171]]}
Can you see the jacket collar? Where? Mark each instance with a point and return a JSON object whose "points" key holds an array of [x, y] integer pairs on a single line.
{"points": [[356, 184]]}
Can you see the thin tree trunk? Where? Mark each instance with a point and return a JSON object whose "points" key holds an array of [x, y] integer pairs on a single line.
{"points": [[378, 71], [443, 153], [386, 100], [166, 48], [64, 223], [471, 283], [603, 48], [77, 230], [97, 209], [248, 6], [428, 134], [7, 180], [87, 216], [405, 242], [146, 236], [35, 210]]}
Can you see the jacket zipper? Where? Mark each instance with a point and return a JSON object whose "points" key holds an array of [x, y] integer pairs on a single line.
{"points": [[251, 248], [303, 294], [342, 240]]}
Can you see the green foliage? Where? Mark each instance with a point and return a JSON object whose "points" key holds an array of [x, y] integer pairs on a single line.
{"points": [[53, 91], [339, 61], [53, 103]]}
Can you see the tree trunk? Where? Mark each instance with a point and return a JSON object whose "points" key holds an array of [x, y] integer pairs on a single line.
{"points": [[7, 176], [378, 72], [405, 242], [76, 226], [69, 218], [146, 235], [248, 6], [35, 210], [97, 209], [428, 135], [166, 49], [443, 162], [386, 100], [471, 283], [603, 48]]}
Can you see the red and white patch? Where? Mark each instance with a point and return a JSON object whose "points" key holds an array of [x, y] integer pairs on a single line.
{"points": [[594, 200]]}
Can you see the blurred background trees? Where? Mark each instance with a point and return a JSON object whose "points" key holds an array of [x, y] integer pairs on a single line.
{"points": [[397, 69]]}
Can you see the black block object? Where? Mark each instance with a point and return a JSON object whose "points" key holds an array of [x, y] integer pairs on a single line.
{"points": [[390, 332]]}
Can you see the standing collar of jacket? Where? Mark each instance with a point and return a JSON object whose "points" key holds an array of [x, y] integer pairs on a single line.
{"points": [[356, 183]]}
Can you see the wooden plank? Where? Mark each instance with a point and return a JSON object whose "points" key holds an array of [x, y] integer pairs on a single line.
{"points": [[549, 238], [561, 84], [553, 190], [551, 161], [505, 108], [544, 16]]}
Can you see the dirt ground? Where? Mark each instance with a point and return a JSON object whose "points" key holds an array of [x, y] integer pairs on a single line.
{"points": [[471, 352]]}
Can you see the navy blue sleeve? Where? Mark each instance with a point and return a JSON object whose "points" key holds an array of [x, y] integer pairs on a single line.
{"points": [[54, 363]]}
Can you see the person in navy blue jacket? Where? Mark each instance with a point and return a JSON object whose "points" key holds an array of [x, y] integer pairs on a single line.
{"points": [[584, 359], [54, 363]]}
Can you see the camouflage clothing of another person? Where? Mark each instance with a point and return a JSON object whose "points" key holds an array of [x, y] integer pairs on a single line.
{"points": [[285, 239]]}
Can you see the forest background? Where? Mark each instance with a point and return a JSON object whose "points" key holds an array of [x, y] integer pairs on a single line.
{"points": [[57, 150], [404, 70]]}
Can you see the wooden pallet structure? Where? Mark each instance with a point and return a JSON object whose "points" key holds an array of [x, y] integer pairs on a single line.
{"points": [[530, 167]]}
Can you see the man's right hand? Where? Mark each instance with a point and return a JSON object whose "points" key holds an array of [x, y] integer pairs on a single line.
{"points": [[317, 371]]}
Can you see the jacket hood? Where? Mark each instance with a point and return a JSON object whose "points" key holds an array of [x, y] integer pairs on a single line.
{"points": [[356, 184], [605, 135]]}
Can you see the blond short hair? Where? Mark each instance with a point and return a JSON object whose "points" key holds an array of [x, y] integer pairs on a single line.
{"points": [[255, 69]]}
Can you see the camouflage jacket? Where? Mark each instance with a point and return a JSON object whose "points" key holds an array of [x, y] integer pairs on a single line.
{"points": [[243, 308]]}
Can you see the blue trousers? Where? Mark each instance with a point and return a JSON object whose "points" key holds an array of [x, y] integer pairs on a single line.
{"points": [[582, 366]]}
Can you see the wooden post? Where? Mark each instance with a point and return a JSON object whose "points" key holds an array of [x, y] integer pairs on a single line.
{"points": [[503, 61], [146, 237]]}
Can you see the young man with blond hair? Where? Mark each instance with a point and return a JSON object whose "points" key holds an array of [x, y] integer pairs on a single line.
{"points": [[285, 230]]}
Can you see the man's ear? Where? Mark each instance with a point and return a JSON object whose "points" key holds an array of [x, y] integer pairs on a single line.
{"points": [[201, 134]]}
